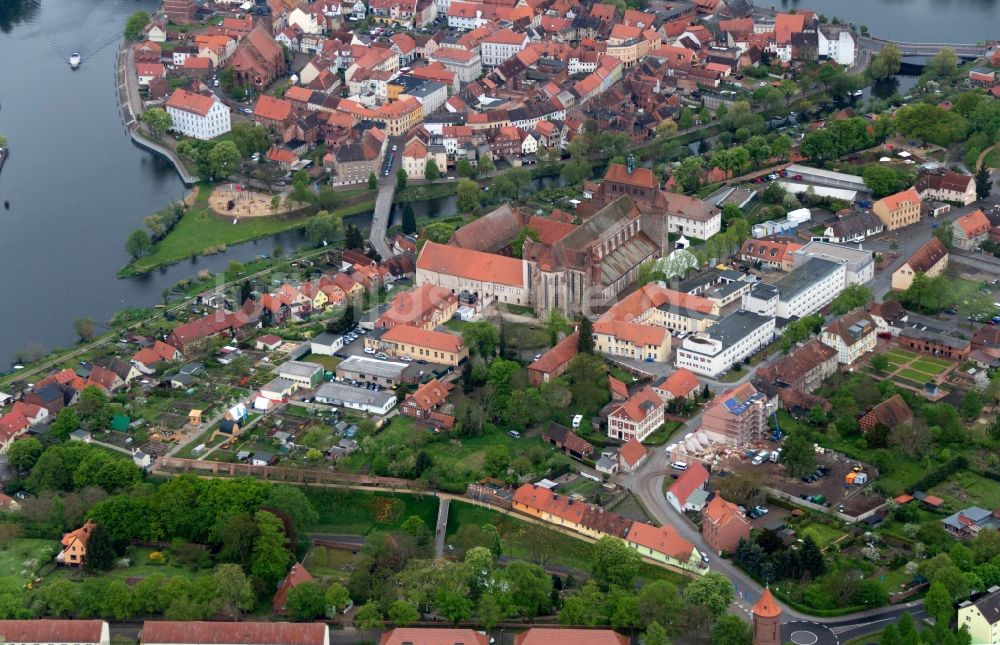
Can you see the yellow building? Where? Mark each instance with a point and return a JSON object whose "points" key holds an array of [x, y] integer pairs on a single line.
{"points": [[930, 259], [899, 210], [403, 341], [982, 618]]}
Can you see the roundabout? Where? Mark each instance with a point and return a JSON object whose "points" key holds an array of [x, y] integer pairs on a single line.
{"points": [[805, 633]]}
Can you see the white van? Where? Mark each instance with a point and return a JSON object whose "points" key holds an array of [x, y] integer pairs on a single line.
{"points": [[760, 458], [679, 465], [577, 420], [515, 434], [775, 455]]}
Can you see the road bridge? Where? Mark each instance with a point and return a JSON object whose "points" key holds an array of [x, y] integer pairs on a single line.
{"points": [[967, 50]]}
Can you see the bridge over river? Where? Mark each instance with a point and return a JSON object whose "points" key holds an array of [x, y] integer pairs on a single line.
{"points": [[970, 51]]}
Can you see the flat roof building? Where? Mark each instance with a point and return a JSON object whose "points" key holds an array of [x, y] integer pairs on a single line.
{"points": [[356, 398], [804, 291], [729, 341], [372, 370], [860, 263]]}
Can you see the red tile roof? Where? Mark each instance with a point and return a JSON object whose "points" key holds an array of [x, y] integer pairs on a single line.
{"points": [[562, 636], [430, 395], [642, 177], [690, 480], [198, 104], [269, 107], [663, 539], [894, 202], [975, 223], [632, 452], [295, 577], [640, 405], [767, 606], [562, 353], [928, 255], [433, 636], [52, 631], [423, 338], [549, 502], [157, 632], [472, 265], [681, 383]]}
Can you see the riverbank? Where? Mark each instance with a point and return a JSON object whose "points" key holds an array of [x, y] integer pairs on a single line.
{"points": [[202, 232]]}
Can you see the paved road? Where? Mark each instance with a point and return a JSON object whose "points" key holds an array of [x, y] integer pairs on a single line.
{"points": [[442, 526], [384, 200]]}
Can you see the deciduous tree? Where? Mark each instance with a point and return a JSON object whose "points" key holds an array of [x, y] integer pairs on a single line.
{"points": [[614, 563], [234, 592]]}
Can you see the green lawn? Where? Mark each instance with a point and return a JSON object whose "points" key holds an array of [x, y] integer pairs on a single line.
{"points": [[930, 365], [913, 375], [328, 563], [900, 354], [14, 556], [329, 363], [201, 230], [359, 513], [822, 533], [966, 489], [662, 434]]}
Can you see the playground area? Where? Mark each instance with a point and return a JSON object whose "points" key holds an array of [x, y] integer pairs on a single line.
{"points": [[233, 200]]}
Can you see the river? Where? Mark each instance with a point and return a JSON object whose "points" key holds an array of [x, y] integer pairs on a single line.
{"points": [[931, 21], [76, 183]]}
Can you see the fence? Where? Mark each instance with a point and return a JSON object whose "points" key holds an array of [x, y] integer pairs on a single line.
{"points": [[843, 517], [280, 473]]}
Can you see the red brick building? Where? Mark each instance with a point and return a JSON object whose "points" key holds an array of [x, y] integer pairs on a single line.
{"points": [[723, 526]]}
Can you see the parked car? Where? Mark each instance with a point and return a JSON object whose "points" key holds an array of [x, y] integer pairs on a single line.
{"points": [[761, 509], [369, 350]]}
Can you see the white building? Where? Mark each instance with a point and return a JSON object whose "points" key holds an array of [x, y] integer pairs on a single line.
{"points": [[310, 22], [836, 43], [692, 217], [729, 341], [852, 335], [638, 417], [803, 291], [860, 264], [486, 276], [505, 44], [198, 116], [356, 398], [326, 344], [301, 373]]}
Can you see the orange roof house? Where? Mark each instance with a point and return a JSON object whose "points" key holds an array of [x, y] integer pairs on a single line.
{"points": [[272, 111], [437, 261], [555, 361], [295, 577], [433, 636], [971, 229], [632, 454], [723, 526], [682, 384], [74, 546], [559, 636], [682, 493], [661, 542]]}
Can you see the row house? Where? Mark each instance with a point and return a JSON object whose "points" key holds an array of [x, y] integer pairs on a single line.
{"points": [[948, 186]]}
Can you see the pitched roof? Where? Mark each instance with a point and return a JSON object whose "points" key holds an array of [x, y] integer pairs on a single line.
{"points": [[928, 255], [433, 636], [892, 412], [802, 360], [721, 512], [772, 250], [950, 181], [561, 636], [852, 327], [418, 306], [491, 232], [296, 576], [640, 405], [423, 338], [767, 606], [471, 265], [52, 631], [973, 224], [692, 479], [632, 452], [690, 207], [550, 231], [191, 102], [894, 202], [680, 384], [663, 539], [81, 534], [226, 633], [562, 353], [619, 391], [269, 107], [642, 177], [431, 394], [549, 502], [568, 438]]}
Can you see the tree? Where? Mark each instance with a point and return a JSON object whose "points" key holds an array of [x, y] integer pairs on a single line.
{"points": [[431, 170], [851, 297], [402, 613], [66, 422], [972, 405], [100, 551], [529, 586], [688, 174], [759, 150], [401, 177], [984, 183], [655, 635], [23, 454], [942, 65], [336, 597], [224, 159], [234, 593], [798, 454], [485, 165], [250, 139], [660, 603], [372, 181], [585, 342], [306, 601], [409, 223], [353, 238], [576, 170], [712, 591], [584, 607], [452, 605], [731, 630], [886, 63], [270, 559], [323, 227], [938, 603], [135, 25], [368, 617], [157, 120], [879, 362], [881, 180], [481, 337], [138, 244], [93, 408], [85, 329], [468, 195], [524, 234], [614, 563], [945, 233]]}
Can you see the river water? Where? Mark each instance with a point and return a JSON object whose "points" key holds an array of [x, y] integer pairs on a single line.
{"points": [[930, 21]]}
